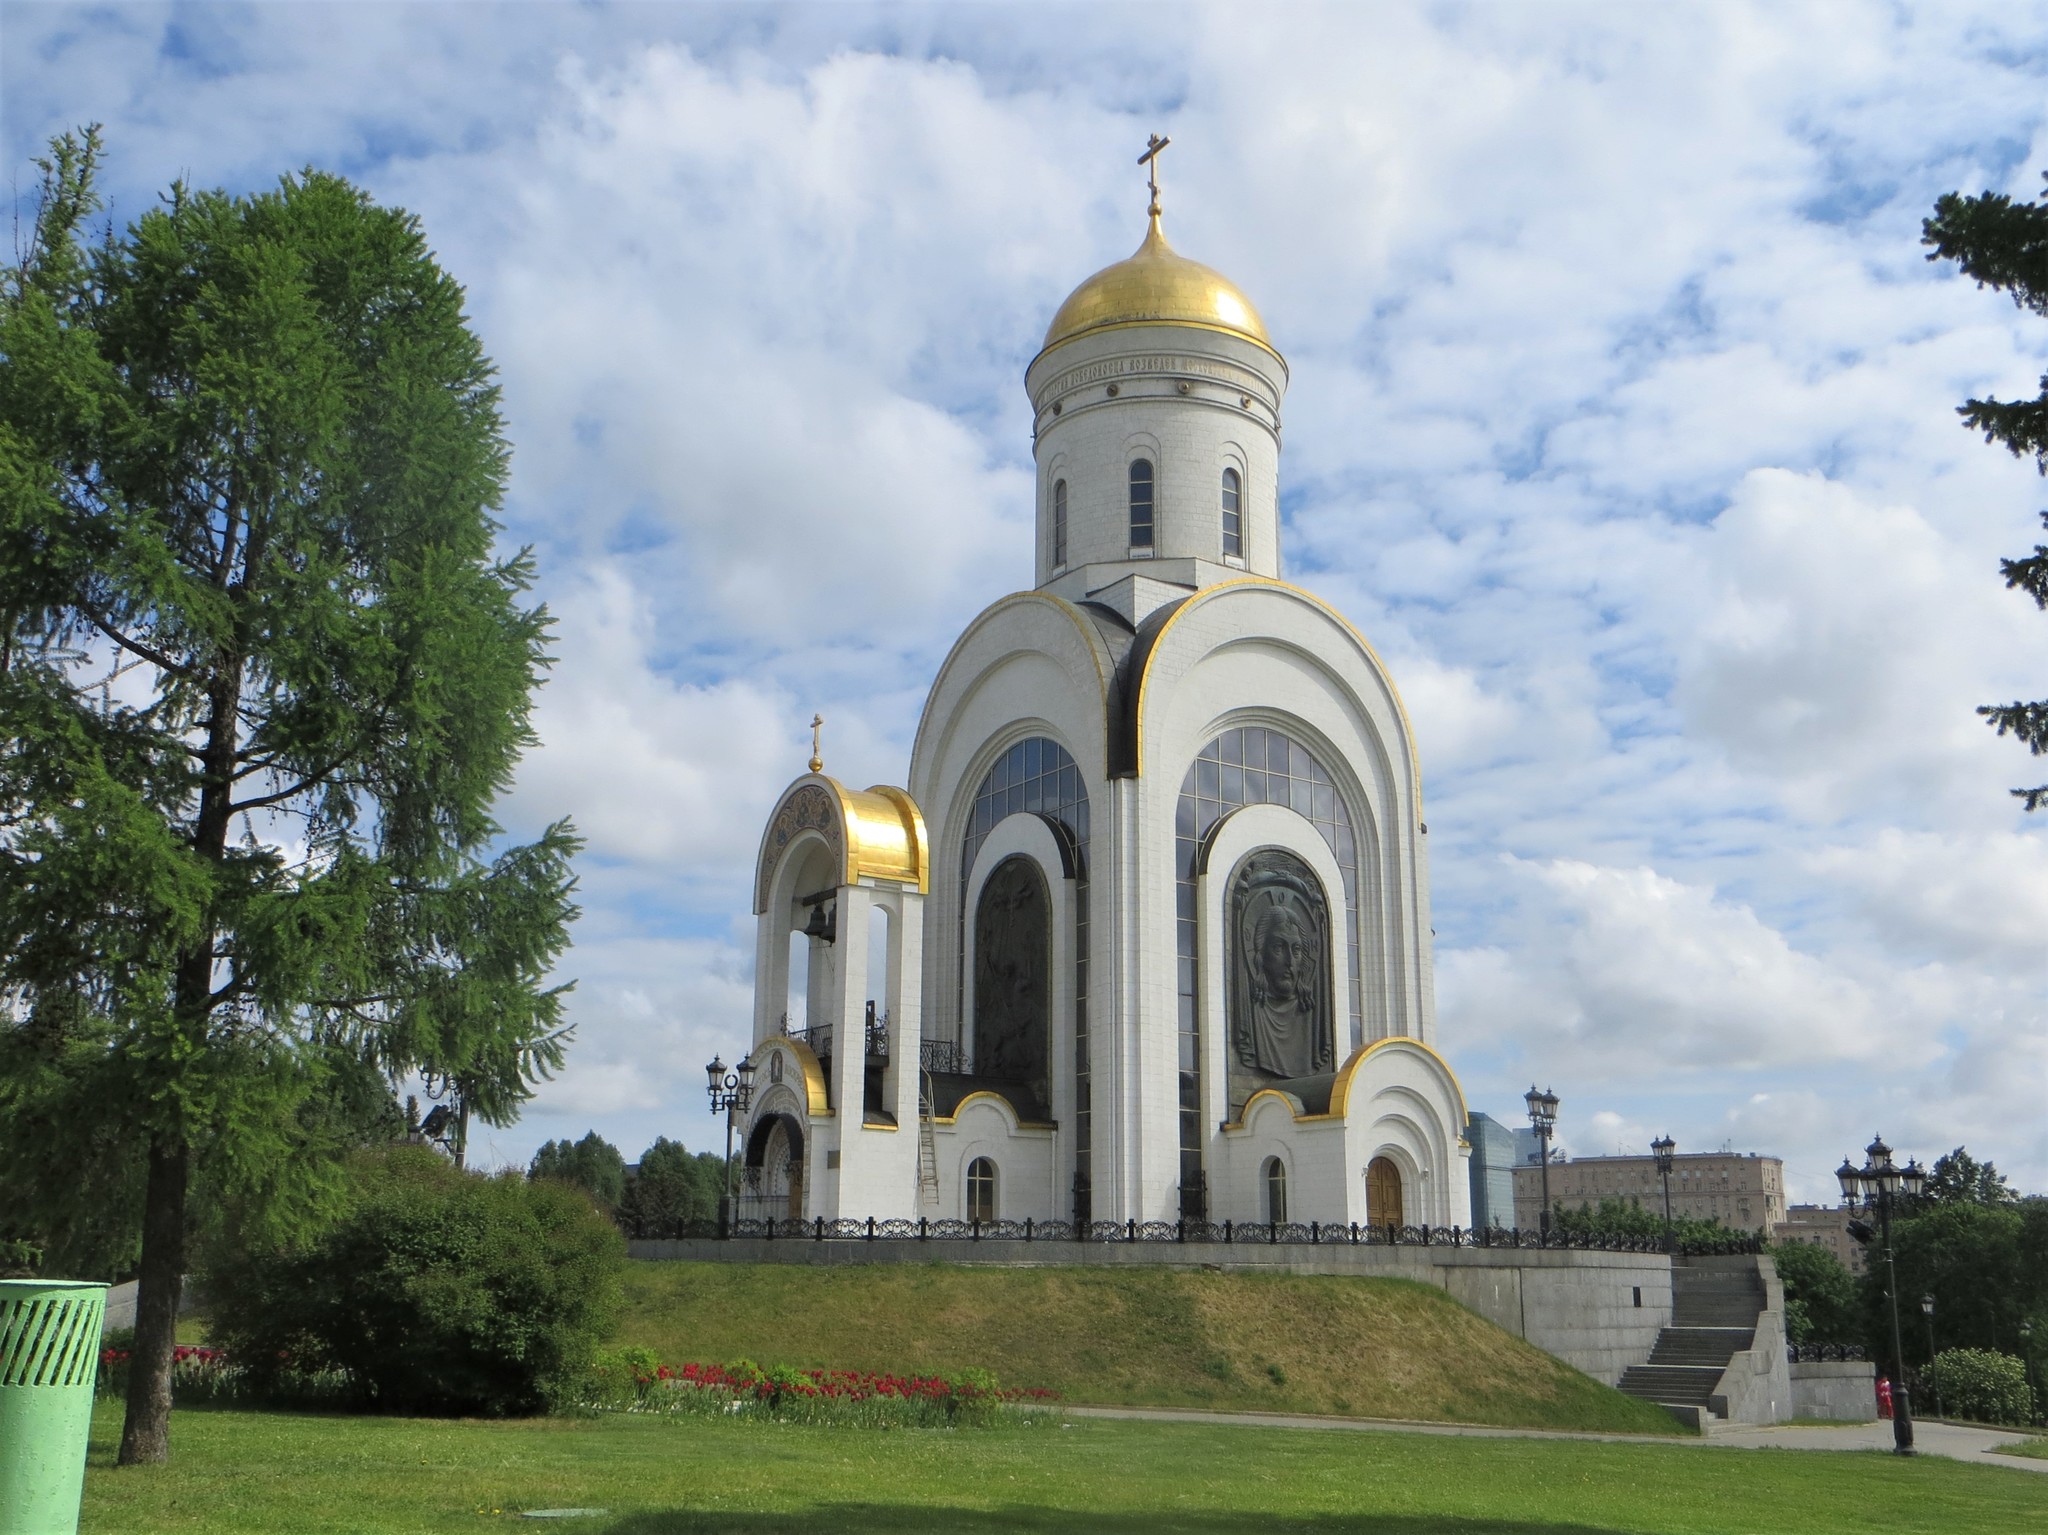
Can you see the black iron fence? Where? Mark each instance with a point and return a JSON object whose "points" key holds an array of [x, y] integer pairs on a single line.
{"points": [[1825, 1353], [1233, 1233]]}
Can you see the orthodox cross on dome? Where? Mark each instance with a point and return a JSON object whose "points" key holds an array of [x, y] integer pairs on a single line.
{"points": [[1150, 160], [817, 751]]}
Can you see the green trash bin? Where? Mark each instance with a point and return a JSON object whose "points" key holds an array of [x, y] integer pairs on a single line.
{"points": [[49, 1357]]}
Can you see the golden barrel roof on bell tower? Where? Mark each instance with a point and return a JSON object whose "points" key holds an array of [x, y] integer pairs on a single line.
{"points": [[1157, 286]]}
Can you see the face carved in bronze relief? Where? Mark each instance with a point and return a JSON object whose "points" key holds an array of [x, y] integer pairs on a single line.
{"points": [[1279, 992], [1013, 975]]}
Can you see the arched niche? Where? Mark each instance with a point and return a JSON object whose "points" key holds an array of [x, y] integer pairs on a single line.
{"points": [[1013, 978]]}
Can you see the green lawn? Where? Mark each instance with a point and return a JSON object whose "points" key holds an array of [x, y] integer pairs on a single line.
{"points": [[1150, 1336], [287, 1474]]}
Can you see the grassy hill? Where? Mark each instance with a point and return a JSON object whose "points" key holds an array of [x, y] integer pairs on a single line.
{"points": [[1152, 1337]]}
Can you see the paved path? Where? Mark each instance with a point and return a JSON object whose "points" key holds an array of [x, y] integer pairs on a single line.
{"points": [[1950, 1439], [1945, 1439]]}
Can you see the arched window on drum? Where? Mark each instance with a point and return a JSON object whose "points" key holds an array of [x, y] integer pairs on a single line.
{"points": [[1233, 515], [1141, 503]]}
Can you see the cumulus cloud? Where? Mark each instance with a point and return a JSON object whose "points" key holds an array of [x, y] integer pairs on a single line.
{"points": [[1621, 419]]}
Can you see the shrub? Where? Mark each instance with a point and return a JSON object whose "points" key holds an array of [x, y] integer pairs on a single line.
{"points": [[1979, 1384], [436, 1291]]}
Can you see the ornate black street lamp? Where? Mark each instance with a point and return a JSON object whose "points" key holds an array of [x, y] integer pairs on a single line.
{"points": [[1665, 1150], [730, 1091], [1877, 1185], [1543, 1115], [1933, 1379]]}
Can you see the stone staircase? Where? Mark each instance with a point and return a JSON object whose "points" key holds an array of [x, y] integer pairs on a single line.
{"points": [[1714, 1315]]}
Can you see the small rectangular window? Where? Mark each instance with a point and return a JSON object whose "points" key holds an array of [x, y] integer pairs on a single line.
{"points": [[1141, 503], [1639, 1295]]}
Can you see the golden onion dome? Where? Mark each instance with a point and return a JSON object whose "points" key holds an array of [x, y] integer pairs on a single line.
{"points": [[1156, 285]]}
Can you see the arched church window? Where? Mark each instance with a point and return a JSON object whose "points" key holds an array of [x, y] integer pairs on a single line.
{"points": [[1039, 777], [981, 1190], [1141, 503], [1233, 514], [1059, 524], [1276, 1190]]}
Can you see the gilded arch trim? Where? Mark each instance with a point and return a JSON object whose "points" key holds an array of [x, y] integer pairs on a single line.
{"points": [[876, 833]]}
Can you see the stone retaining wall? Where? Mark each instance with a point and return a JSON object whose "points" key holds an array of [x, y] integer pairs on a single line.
{"points": [[1835, 1390], [1599, 1312]]}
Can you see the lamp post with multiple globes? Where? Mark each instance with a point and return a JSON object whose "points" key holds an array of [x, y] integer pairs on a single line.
{"points": [[730, 1091], [1877, 1185], [1665, 1150], [1543, 1115]]}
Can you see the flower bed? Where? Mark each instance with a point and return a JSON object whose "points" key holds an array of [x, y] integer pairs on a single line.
{"points": [[632, 1380], [208, 1375]]}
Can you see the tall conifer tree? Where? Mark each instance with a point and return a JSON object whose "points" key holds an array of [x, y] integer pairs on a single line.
{"points": [[2004, 245], [262, 675]]}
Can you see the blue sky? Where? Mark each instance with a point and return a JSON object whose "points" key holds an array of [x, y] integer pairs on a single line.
{"points": [[1622, 422]]}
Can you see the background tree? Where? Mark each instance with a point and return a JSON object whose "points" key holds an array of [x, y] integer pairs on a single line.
{"points": [[262, 675], [1820, 1294], [2004, 245], [1960, 1178], [671, 1189], [592, 1164]]}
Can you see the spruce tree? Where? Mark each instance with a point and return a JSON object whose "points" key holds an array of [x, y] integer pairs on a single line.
{"points": [[262, 674], [2003, 244]]}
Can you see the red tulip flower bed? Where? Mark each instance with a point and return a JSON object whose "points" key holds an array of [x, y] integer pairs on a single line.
{"points": [[632, 1381]]}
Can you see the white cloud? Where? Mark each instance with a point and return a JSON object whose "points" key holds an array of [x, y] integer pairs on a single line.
{"points": [[1621, 419]]}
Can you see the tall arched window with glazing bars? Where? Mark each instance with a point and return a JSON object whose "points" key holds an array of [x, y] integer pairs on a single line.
{"points": [[1253, 765], [1233, 514], [1039, 777], [1059, 524], [1141, 487]]}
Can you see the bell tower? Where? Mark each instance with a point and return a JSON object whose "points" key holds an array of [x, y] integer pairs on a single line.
{"points": [[1157, 432]]}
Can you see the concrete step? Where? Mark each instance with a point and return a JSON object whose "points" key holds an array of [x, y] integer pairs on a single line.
{"points": [[1693, 1314], [1690, 1384], [1701, 1345]]}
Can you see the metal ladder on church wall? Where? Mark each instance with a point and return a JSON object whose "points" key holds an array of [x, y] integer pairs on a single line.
{"points": [[927, 1143]]}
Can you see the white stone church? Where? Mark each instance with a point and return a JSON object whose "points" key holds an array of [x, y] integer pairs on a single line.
{"points": [[1146, 936]]}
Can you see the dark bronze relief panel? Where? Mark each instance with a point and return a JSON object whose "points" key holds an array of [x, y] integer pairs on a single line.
{"points": [[1013, 975], [1278, 947]]}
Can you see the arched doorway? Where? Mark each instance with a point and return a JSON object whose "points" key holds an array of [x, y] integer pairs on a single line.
{"points": [[1383, 1193], [774, 1182], [1276, 1191]]}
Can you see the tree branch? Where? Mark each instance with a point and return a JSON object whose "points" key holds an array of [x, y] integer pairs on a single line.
{"points": [[148, 653]]}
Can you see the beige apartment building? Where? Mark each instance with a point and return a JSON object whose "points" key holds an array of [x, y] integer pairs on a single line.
{"points": [[1745, 1191], [1824, 1226]]}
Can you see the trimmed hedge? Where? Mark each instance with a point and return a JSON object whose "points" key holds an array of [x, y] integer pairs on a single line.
{"points": [[1978, 1384], [437, 1291]]}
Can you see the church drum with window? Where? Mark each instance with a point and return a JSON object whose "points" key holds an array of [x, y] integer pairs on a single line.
{"points": [[1146, 936]]}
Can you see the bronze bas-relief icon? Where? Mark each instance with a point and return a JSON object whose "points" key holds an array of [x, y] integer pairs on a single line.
{"points": [[1013, 974], [1279, 975]]}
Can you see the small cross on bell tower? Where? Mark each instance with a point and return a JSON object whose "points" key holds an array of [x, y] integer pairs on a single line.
{"points": [[817, 751]]}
